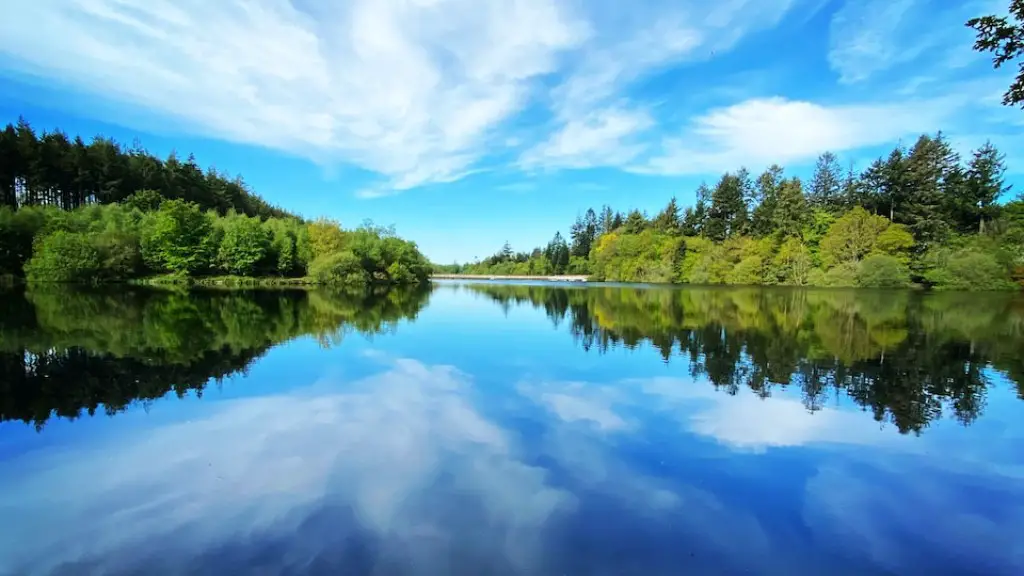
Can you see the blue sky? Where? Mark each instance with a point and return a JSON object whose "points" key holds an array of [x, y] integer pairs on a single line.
{"points": [[466, 123]]}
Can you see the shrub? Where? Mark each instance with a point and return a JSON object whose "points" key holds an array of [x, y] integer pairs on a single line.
{"points": [[343, 268], [64, 257], [970, 270], [883, 271]]}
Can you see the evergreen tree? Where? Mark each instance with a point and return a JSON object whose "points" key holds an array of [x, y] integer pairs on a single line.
{"points": [[557, 252], [767, 187], [827, 184], [975, 204], [668, 220], [791, 213], [727, 215], [926, 171], [635, 222], [583, 234]]}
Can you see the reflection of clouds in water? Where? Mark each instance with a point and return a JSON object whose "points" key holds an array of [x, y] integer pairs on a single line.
{"points": [[578, 402], [380, 447], [742, 421], [911, 515], [400, 472]]}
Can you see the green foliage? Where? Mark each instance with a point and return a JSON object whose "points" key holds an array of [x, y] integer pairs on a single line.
{"points": [[649, 256], [882, 271], [1004, 37], [325, 237], [51, 169], [343, 268], [851, 237], [64, 257], [178, 238], [777, 230], [245, 246], [967, 269], [895, 241]]}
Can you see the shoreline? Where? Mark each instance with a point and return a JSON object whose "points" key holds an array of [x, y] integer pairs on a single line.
{"points": [[563, 278]]}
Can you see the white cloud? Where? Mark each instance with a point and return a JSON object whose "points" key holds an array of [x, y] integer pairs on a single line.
{"points": [[261, 467], [758, 132], [594, 125], [605, 137], [412, 89]]}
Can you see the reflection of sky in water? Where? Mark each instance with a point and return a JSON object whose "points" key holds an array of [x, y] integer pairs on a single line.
{"points": [[474, 443]]}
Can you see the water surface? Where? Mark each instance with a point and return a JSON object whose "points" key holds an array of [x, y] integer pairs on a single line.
{"points": [[515, 428]]}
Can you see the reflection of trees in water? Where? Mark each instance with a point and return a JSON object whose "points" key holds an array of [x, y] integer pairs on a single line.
{"points": [[905, 356], [63, 351]]}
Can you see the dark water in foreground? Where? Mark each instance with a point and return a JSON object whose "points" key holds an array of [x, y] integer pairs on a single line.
{"points": [[511, 429]]}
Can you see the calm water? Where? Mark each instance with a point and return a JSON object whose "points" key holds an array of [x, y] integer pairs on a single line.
{"points": [[511, 429]]}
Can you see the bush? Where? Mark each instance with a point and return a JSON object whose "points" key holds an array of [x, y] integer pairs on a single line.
{"points": [[120, 255], [842, 276], [883, 271], [748, 272], [970, 270], [64, 257], [342, 268]]}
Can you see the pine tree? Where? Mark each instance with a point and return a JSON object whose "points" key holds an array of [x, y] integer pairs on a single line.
{"points": [[925, 171], [768, 184], [827, 184], [981, 189], [727, 215], [668, 219], [791, 212]]}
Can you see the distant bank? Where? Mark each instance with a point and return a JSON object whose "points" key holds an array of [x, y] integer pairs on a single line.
{"points": [[562, 278]]}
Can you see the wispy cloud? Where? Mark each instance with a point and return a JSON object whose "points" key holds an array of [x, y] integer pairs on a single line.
{"points": [[424, 92], [868, 37], [411, 90]]}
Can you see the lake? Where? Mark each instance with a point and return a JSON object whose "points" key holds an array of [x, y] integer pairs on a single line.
{"points": [[512, 428]]}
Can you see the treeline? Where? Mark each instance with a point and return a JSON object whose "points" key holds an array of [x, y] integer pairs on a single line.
{"points": [[907, 357], [51, 169], [65, 351], [85, 214], [916, 216]]}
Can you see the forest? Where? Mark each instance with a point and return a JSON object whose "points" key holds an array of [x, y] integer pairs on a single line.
{"points": [[98, 212], [919, 216]]}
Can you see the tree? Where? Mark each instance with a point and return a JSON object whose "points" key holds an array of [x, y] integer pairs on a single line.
{"points": [[929, 175], [557, 252], [635, 222], [694, 218], [178, 238], [245, 247], [976, 201], [1005, 40], [583, 233], [728, 213], [827, 184], [767, 187], [668, 220], [325, 237], [791, 213], [852, 237]]}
